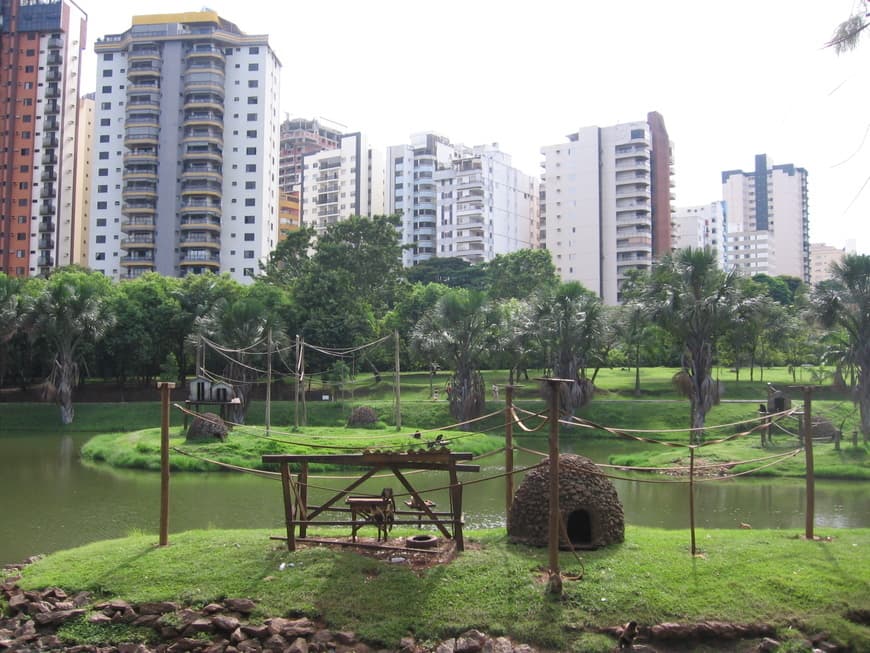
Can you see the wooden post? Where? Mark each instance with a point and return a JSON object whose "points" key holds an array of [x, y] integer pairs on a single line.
{"points": [[456, 506], [554, 584], [298, 385], [165, 388], [398, 386], [692, 495], [288, 506], [302, 508], [508, 449], [269, 383], [808, 449]]}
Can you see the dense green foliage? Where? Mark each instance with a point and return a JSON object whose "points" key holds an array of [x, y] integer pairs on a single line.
{"points": [[747, 576], [344, 295]]}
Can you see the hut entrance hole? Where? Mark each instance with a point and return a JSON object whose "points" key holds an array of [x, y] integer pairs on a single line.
{"points": [[579, 527]]}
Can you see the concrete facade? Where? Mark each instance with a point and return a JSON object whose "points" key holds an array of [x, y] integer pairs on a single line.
{"points": [[41, 44], [701, 226], [186, 149], [768, 219], [605, 203]]}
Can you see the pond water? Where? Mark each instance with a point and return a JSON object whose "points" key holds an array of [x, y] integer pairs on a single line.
{"points": [[50, 500]]}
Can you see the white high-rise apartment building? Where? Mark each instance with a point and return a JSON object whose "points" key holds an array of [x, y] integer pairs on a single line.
{"points": [[605, 207], [342, 182], [459, 201], [699, 227], [768, 220], [186, 149], [823, 256]]}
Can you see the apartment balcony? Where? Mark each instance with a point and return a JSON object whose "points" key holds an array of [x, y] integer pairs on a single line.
{"points": [[137, 224], [141, 86], [139, 191], [143, 54], [144, 102], [194, 119], [632, 192], [140, 259], [45, 242], [53, 76], [143, 68], [141, 156], [47, 208], [199, 258], [214, 85], [51, 108], [48, 192], [205, 102], [203, 136], [138, 241], [50, 125], [207, 52], [191, 205], [52, 93], [139, 211], [633, 163], [55, 43], [202, 151], [141, 119], [49, 159], [138, 137], [194, 239], [45, 261], [202, 221], [141, 174], [202, 188], [46, 226], [50, 140], [471, 241], [49, 174], [630, 151], [54, 59], [203, 172]]}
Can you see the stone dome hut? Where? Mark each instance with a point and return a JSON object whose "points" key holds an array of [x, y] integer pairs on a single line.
{"points": [[590, 507]]}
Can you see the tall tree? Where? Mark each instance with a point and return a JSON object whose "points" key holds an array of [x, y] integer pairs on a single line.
{"points": [[71, 315], [691, 298], [849, 32], [457, 331], [449, 271], [846, 304], [520, 274], [290, 258], [569, 321]]}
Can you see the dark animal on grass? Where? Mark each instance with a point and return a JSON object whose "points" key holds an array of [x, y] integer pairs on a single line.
{"points": [[379, 511], [626, 638]]}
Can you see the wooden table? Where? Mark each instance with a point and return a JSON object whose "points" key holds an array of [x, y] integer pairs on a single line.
{"points": [[297, 512]]}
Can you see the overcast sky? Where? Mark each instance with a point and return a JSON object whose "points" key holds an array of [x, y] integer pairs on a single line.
{"points": [[731, 79]]}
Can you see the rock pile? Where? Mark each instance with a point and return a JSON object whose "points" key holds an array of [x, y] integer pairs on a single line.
{"points": [[217, 628]]}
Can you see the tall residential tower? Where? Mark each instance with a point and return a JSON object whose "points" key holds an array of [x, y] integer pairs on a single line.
{"points": [[186, 149], [41, 43], [606, 203], [768, 219]]}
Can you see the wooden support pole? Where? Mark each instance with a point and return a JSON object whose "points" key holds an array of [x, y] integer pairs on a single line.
{"points": [[692, 495], [808, 449], [288, 506], [398, 385], [165, 388], [302, 508], [269, 383], [298, 385], [456, 507], [554, 584], [508, 449]]}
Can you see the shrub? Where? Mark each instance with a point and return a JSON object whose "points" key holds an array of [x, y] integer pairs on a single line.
{"points": [[362, 416]]}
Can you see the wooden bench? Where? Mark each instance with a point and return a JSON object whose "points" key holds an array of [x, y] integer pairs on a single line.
{"points": [[415, 504], [377, 510]]}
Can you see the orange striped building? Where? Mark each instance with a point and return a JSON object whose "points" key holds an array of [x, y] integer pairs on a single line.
{"points": [[41, 44]]}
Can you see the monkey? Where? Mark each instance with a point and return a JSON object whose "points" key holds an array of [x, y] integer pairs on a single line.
{"points": [[626, 639]]}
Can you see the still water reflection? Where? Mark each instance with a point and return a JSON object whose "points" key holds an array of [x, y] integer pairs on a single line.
{"points": [[49, 500]]}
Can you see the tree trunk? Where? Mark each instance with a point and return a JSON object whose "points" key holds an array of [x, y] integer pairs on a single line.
{"points": [[63, 390]]}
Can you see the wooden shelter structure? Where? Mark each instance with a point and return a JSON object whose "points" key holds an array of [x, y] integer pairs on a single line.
{"points": [[299, 514]]}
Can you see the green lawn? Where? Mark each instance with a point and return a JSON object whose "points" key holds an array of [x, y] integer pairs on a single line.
{"points": [[742, 576]]}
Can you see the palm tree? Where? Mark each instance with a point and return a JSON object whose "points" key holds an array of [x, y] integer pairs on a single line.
{"points": [[10, 317], [848, 33], [846, 304], [569, 322], [239, 330], [691, 298], [458, 330], [70, 314]]}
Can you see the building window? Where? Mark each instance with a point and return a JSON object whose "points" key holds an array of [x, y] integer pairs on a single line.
{"points": [[102, 188], [102, 206], [253, 83], [249, 185], [251, 167], [101, 256], [250, 201], [252, 99], [252, 117], [107, 72], [105, 106], [249, 219], [104, 138], [105, 122], [101, 222], [100, 240], [248, 237], [106, 89], [252, 133], [248, 272], [103, 155], [103, 172], [249, 253], [108, 56], [251, 151]]}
